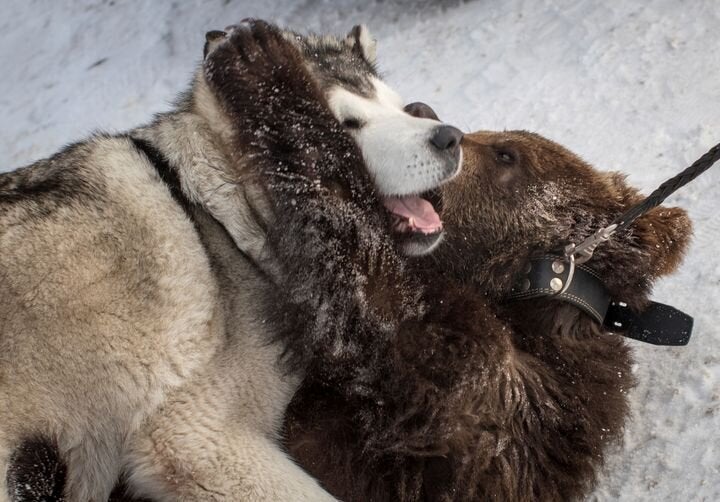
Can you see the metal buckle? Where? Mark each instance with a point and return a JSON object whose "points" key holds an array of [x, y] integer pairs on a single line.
{"points": [[581, 253], [571, 274], [584, 251]]}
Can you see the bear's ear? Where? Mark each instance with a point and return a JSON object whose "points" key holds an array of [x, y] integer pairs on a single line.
{"points": [[664, 232], [212, 40], [363, 42]]}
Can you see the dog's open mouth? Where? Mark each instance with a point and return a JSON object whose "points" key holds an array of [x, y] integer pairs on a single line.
{"points": [[415, 221], [413, 214]]}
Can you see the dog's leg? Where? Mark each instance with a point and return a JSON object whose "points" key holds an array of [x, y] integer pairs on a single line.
{"points": [[4, 466], [216, 438], [234, 465], [205, 445], [93, 468]]}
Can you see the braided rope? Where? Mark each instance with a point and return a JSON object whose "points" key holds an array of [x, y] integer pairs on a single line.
{"points": [[666, 189]]}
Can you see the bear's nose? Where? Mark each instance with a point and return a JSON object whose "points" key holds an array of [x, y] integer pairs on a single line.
{"points": [[446, 137]]}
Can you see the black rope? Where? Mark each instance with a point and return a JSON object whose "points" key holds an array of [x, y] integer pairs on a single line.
{"points": [[666, 189]]}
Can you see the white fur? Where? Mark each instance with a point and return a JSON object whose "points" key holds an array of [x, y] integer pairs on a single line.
{"points": [[396, 146], [367, 44]]}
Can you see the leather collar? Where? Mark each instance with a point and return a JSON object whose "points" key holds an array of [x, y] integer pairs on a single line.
{"points": [[547, 276]]}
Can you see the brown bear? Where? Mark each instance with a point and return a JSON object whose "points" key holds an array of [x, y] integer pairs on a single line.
{"points": [[482, 398]]}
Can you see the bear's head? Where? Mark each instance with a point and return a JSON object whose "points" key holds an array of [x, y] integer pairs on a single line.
{"points": [[521, 195]]}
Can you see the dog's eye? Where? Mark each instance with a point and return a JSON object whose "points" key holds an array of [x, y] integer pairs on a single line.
{"points": [[505, 156], [352, 124]]}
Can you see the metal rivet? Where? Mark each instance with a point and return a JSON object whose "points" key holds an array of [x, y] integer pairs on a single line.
{"points": [[558, 267], [525, 285], [556, 284], [527, 268]]}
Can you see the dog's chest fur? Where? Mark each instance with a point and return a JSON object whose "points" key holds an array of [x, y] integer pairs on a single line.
{"points": [[138, 303]]}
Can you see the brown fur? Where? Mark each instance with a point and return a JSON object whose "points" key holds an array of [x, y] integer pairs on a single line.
{"points": [[323, 204], [483, 400]]}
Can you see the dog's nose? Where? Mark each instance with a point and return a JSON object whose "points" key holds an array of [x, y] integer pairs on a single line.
{"points": [[447, 137]]}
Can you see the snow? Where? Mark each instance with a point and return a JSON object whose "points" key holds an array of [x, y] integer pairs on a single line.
{"points": [[631, 86]]}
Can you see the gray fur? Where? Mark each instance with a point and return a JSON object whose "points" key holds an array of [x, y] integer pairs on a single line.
{"points": [[348, 62], [133, 331]]}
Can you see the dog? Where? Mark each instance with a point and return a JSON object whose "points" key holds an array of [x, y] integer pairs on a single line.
{"points": [[168, 288], [481, 398]]}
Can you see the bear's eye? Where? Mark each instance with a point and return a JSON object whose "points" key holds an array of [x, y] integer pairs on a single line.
{"points": [[505, 156], [352, 124]]}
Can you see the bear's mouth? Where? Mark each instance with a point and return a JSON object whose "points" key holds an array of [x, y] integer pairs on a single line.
{"points": [[415, 221]]}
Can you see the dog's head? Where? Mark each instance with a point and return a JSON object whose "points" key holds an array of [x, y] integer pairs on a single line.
{"points": [[407, 151], [521, 194]]}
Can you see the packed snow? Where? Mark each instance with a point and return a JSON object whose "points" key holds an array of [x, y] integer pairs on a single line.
{"points": [[631, 86]]}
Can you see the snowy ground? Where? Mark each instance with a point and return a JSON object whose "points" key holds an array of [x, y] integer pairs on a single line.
{"points": [[632, 85]]}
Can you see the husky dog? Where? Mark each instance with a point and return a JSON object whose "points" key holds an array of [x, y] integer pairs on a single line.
{"points": [[165, 290]]}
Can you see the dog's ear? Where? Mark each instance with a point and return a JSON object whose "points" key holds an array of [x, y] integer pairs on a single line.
{"points": [[212, 40], [363, 43], [664, 233]]}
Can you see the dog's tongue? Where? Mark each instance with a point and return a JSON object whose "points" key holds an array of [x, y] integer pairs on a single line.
{"points": [[418, 212]]}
